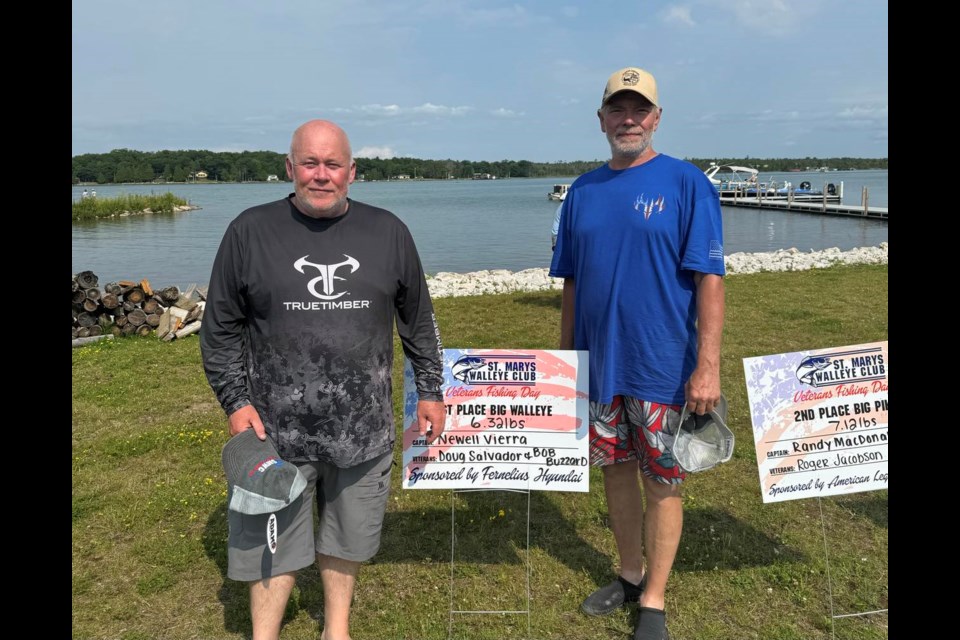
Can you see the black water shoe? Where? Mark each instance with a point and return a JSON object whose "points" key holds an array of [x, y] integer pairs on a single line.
{"points": [[651, 624], [611, 597]]}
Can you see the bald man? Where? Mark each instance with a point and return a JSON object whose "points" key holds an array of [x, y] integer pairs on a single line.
{"points": [[297, 344]]}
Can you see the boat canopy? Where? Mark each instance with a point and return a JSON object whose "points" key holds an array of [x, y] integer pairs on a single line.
{"points": [[730, 168], [731, 173]]}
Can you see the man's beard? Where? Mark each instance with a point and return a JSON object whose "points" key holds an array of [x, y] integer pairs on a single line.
{"points": [[623, 149]]}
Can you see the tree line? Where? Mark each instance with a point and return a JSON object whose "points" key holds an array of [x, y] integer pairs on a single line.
{"points": [[130, 166]]}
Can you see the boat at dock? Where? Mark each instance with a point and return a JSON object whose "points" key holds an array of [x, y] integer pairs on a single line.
{"points": [[559, 192], [736, 182], [805, 192]]}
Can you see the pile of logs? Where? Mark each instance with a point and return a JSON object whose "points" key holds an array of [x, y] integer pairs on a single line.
{"points": [[127, 308]]}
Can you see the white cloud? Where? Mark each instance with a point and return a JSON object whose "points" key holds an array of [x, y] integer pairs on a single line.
{"points": [[864, 113], [394, 110], [679, 15], [375, 152], [758, 12], [506, 113], [231, 147], [380, 110], [440, 110], [771, 17], [515, 16], [774, 116], [269, 119]]}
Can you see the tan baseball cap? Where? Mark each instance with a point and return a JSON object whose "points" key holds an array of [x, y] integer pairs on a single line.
{"points": [[631, 79]]}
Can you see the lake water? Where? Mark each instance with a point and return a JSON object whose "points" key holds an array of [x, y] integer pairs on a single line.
{"points": [[458, 225]]}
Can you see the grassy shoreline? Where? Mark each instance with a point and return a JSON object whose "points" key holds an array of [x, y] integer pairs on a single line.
{"points": [[149, 528], [128, 204]]}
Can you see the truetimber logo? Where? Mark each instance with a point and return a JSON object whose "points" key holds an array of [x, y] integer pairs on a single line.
{"points": [[326, 286], [327, 275]]}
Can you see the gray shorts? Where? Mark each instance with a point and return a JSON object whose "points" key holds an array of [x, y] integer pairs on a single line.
{"points": [[351, 503]]}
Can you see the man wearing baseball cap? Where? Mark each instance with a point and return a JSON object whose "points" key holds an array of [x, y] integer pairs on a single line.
{"points": [[640, 249]]}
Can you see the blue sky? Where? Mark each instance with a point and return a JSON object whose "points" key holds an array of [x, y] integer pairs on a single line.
{"points": [[480, 80]]}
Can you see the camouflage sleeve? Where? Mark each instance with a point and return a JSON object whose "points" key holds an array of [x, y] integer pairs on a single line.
{"points": [[417, 325], [223, 327]]}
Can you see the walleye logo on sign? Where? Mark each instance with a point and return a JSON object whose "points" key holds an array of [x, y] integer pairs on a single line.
{"points": [[327, 275], [507, 370], [461, 368], [828, 369], [809, 366]]}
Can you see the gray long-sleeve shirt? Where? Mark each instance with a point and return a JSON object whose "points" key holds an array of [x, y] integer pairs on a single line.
{"points": [[299, 323]]}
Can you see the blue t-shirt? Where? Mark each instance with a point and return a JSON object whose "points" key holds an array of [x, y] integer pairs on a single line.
{"points": [[632, 240]]}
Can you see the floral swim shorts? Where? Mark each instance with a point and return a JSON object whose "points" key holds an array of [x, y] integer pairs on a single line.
{"points": [[632, 429]]}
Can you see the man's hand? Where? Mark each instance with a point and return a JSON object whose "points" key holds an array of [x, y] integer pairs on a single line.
{"points": [[702, 390], [247, 418], [433, 415]]}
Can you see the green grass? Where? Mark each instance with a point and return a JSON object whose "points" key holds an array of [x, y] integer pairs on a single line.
{"points": [[133, 204], [149, 514]]}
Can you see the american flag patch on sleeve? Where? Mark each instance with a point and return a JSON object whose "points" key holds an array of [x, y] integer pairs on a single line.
{"points": [[716, 250]]}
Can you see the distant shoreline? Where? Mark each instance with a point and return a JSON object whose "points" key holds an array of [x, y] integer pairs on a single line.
{"points": [[161, 184], [417, 179]]}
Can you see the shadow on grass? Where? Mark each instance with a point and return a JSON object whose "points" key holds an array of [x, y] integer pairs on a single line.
{"points": [[491, 527], [551, 302], [711, 539], [872, 506], [714, 539]]}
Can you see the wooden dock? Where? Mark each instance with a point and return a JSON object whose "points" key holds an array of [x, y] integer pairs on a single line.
{"points": [[806, 206]]}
